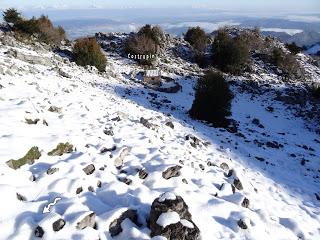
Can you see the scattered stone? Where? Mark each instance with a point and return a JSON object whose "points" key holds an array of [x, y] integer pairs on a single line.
{"points": [[32, 122], [54, 109], [118, 162], [89, 169], [58, 225], [21, 197], [170, 124], [194, 141], [87, 221], [116, 119], [256, 122], [224, 166], [201, 167], [237, 184], [184, 181], [61, 149], [32, 155], [32, 178], [274, 144], [51, 171], [245, 203], [125, 180], [90, 189], [242, 224], [230, 173], [104, 149], [108, 132], [143, 174], [270, 109], [185, 229], [115, 226], [44, 122], [147, 124], [79, 190], [53, 221], [317, 196], [172, 172], [39, 232], [99, 184]]}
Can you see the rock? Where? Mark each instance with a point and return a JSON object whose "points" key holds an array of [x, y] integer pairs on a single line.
{"points": [[184, 181], [87, 221], [172, 172], [39, 232], [183, 228], [224, 166], [32, 178], [79, 190], [274, 144], [147, 124], [30, 121], [64, 73], [104, 149], [170, 124], [194, 141], [115, 226], [54, 109], [143, 174], [99, 184], [118, 162], [108, 132], [245, 203], [230, 173], [61, 149], [21, 197], [242, 224], [44, 122], [51, 171], [125, 180], [51, 222], [58, 225], [201, 167], [32, 155], [116, 119], [256, 122], [89, 169], [237, 184]]}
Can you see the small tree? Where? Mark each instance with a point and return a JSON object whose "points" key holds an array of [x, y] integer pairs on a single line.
{"points": [[287, 63], [12, 16], [28, 27], [197, 38], [293, 48], [48, 33], [141, 46], [88, 52], [212, 101], [230, 54], [153, 32]]}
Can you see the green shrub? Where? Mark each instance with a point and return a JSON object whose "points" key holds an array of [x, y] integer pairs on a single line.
{"points": [[141, 48], [153, 32], [293, 48], [12, 16], [230, 54], [88, 52], [212, 101], [287, 63], [29, 27], [48, 33], [197, 38]]}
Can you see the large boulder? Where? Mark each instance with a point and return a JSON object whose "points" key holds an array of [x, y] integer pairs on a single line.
{"points": [[170, 218]]}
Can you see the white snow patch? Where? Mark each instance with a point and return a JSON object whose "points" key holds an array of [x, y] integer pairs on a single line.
{"points": [[187, 223], [167, 196], [168, 218]]}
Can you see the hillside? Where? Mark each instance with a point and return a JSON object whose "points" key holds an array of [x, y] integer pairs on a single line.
{"points": [[132, 144]]}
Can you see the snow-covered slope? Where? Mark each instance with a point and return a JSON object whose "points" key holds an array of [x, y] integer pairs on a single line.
{"points": [[109, 118]]}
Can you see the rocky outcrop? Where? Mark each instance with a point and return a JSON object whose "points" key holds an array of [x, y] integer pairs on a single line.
{"points": [[170, 218], [171, 172], [32, 155]]}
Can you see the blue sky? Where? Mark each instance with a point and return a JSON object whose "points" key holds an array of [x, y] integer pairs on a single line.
{"points": [[259, 5]]}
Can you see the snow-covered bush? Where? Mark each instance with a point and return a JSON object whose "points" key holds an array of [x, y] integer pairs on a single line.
{"points": [[197, 38], [88, 52], [230, 54], [212, 101]]}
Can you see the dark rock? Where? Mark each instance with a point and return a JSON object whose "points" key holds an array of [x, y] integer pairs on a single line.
{"points": [[172, 172], [58, 225], [104, 150], [89, 169], [147, 124], [184, 181], [224, 166], [79, 190], [108, 132], [125, 180], [32, 178], [274, 144], [39, 232], [317, 196], [194, 141], [242, 224], [116, 119], [176, 231], [201, 167], [230, 173], [31, 121], [170, 124], [256, 122], [99, 184], [237, 184], [21, 197], [54, 109], [245, 203], [115, 226], [87, 221], [51, 171], [143, 174]]}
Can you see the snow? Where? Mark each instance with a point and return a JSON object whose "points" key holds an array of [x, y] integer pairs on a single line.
{"points": [[281, 191], [187, 223], [285, 30], [167, 196], [314, 49], [168, 218]]}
